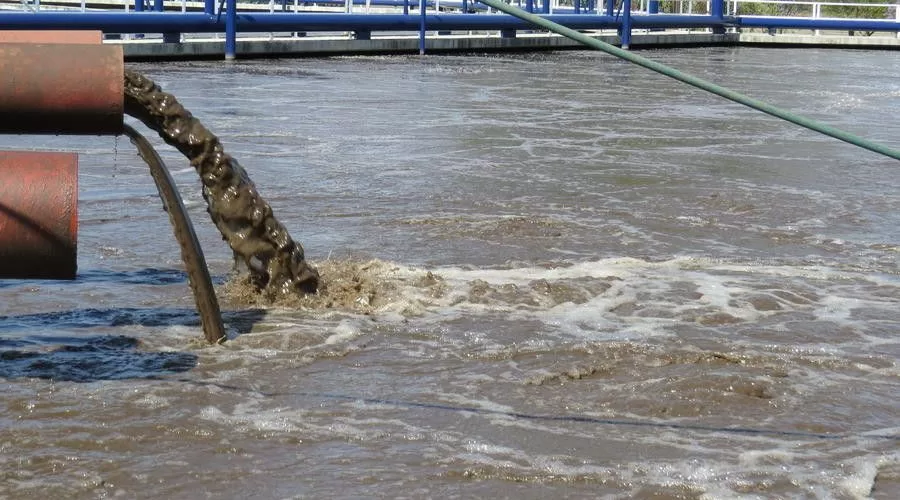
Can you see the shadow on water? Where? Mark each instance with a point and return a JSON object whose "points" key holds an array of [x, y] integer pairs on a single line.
{"points": [[108, 357], [93, 357], [146, 276], [124, 316]]}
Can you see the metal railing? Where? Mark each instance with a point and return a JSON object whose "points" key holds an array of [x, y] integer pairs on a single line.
{"points": [[358, 18], [744, 8]]}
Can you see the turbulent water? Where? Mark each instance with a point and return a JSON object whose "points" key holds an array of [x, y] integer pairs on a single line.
{"points": [[543, 276]]}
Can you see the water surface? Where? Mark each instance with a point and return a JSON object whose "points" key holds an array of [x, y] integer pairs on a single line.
{"points": [[575, 278]]}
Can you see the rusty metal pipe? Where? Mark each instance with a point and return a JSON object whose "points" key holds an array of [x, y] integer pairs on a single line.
{"points": [[51, 36], [191, 253], [38, 215], [61, 89]]}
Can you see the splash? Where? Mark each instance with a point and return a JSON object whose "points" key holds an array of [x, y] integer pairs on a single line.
{"points": [[351, 285]]}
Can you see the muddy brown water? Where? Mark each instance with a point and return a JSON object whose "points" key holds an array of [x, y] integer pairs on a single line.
{"points": [[542, 276]]}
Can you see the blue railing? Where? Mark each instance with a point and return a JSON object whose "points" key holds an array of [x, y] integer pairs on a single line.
{"points": [[227, 16]]}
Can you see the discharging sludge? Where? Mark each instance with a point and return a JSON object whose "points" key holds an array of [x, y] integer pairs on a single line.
{"points": [[276, 263]]}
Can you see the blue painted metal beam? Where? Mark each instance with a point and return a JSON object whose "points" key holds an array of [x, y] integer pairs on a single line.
{"points": [[680, 21], [112, 22], [156, 22], [823, 24]]}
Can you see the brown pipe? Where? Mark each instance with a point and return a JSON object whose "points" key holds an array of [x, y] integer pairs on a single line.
{"points": [[51, 36], [38, 215], [61, 89]]}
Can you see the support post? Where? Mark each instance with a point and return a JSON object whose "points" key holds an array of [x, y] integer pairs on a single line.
{"points": [[230, 29], [653, 8], [421, 27], [717, 10], [625, 29]]}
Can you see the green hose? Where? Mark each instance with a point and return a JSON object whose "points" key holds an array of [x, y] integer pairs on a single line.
{"points": [[693, 80]]}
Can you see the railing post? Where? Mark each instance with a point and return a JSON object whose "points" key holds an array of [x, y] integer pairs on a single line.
{"points": [[139, 5], [529, 6], [230, 29], [653, 7], [625, 29], [158, 5], [209, 7], [816, 13], [610, 4], [897, 15]]}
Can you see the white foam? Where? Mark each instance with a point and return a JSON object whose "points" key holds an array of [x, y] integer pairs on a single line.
{"points": [[660, 294], [248, 416], [344, 331], [860, 479]]}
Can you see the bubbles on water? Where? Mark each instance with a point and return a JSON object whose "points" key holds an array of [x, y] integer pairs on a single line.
{"points": [[631, 295]]}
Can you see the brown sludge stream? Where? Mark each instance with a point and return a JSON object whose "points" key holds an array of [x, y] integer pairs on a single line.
{"points": [[276, 262]]}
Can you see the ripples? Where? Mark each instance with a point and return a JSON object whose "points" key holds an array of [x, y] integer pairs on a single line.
{"points": [[567, 278]]}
